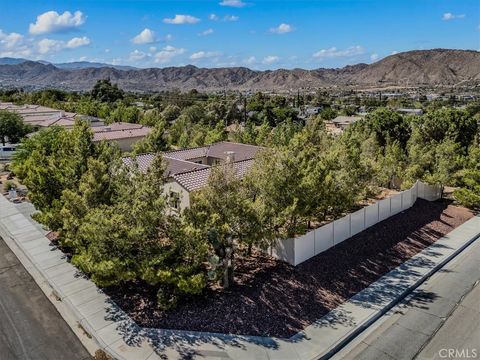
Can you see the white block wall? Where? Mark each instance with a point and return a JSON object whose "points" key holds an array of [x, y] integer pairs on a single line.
{"points": [[300, 249]]}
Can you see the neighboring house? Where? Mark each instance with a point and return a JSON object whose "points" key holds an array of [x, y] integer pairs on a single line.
{"points": [[124, 134], [312, 110], [340, 123], [188, 170], [410, 111]]}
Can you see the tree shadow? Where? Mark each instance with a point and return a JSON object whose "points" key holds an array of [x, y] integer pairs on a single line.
{"points": [[271, 298]]}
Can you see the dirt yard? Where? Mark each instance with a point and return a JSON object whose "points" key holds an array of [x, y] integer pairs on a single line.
{"points": [[271, 298]]}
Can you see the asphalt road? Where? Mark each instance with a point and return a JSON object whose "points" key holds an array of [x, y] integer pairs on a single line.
{"points": [[440, 321], [30, 326]]}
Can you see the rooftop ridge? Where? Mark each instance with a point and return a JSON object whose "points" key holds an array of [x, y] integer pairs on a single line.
{"points": [[211, 167]]}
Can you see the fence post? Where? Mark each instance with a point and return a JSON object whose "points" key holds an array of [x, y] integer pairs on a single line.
{"points": [[314, 242], [364, 218], [333, 233], [350, 225]]}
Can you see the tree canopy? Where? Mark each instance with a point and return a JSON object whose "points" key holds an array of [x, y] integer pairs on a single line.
{"points": [[12, 128]]}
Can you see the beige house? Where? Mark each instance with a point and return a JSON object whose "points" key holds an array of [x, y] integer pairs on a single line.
{"points": [[340, 123], [188, 170], [124, 134]]}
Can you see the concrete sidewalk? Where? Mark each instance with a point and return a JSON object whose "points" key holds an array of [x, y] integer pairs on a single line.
{"points": [[120, 336]]}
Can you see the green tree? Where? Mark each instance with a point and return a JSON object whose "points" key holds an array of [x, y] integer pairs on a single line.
{"points": [[105, 91], [468, 179], [226, 218], [12, 127], [156, 141], [389, 125], [54, 160]]}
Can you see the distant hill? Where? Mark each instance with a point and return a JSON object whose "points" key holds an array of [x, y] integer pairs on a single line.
{"points": [[412, 68], [68, 65], [88, 64], [11, 61]]}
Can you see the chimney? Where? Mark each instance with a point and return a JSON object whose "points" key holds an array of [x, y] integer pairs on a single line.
{"points": [[230, 157]]}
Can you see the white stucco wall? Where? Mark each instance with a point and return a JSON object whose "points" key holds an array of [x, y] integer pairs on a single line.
{"points": [[173, 186]]}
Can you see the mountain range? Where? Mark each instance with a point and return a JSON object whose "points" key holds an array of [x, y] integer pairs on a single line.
{"points": [[437, 67]]}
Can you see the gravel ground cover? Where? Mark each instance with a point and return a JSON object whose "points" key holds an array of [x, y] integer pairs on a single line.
{"points": [[272, 298]]}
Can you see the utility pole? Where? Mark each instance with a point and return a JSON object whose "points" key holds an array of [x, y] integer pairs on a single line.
{"points": [[245, 110]]}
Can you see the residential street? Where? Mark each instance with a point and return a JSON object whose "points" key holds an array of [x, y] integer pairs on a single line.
{"points": [[30, 326], [441, 321]]}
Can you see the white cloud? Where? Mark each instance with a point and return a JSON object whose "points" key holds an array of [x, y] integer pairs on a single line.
{"points": [[147, 36], [282, 29], [251, 60], [230, 18], [374, 57], [204, 55], [333, 52], [116, 61], [181, 20], [51, 21], [270, 59], [233, 3], [167, 54], [168, 37], [14, 45], [49, 46], [10, 41], [206, 32], [46, 46], [137, 55], [77, 42], [449, 16], [395, 52], [227, 18]]}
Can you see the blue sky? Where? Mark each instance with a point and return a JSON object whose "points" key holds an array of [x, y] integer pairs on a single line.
{"points": [[258, 34]]}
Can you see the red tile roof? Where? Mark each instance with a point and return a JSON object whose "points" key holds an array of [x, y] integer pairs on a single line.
{"points": [[197, 179], [117, 132], [193, 176], [217, 150], [174, 166]]}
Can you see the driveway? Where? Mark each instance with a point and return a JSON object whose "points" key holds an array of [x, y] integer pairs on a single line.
{"points": [[30, 326]]}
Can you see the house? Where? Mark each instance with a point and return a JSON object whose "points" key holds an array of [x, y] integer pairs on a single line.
{"points": [[312, 110], [340, 123], [410, 111], [124, 134], [188, 170]]}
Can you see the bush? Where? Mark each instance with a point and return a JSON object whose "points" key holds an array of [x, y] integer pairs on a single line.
{"points": [[9, 185], [467, 198]]}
